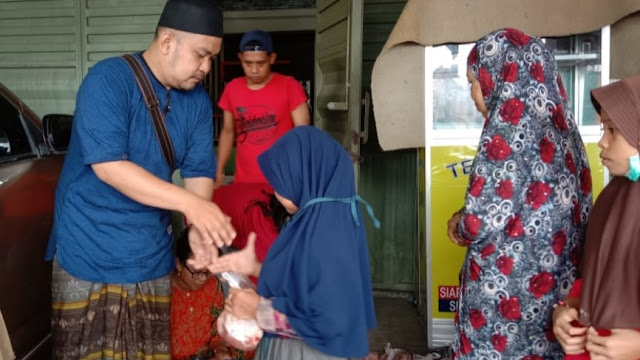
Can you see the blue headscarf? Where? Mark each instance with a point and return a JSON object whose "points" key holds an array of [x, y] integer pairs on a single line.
{"points": [[317, 270]]}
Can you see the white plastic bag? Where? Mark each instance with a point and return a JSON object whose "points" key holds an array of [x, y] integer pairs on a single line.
{"points": [[242, 334]]}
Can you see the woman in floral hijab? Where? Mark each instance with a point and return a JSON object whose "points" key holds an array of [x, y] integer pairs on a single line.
{"points": [[526, 205]]}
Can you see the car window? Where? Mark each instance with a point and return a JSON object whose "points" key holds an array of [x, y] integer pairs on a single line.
{"points": [[13, 138]]}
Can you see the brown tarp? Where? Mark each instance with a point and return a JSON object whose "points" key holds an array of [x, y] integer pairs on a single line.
{"points": [[398, 74], [6, 351]]}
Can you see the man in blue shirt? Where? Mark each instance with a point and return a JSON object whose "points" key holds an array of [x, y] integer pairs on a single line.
{"points": [[111, 242]]}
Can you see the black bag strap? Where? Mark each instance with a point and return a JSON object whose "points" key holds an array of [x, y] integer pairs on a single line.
{"points": [[153, 105]]}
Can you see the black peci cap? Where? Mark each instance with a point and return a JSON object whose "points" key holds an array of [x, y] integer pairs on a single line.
{"points": [[194, 16]]}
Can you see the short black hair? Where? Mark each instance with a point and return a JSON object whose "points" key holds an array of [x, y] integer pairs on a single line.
{"points": [[182, 247]]}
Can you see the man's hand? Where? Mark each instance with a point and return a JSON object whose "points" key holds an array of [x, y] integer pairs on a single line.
{"points": [[213, 228], [203, 254], [213, 225], [622, 344], [452, 229], [571, 338], [243, 261]]}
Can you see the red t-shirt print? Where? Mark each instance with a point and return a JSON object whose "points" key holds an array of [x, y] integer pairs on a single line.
{"points": [[256, 124]]}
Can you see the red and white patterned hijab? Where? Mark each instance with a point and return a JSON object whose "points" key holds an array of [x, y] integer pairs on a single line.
{"points": [[530, 154]]}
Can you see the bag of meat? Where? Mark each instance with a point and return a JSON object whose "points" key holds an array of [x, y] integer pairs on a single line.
{"points": [[394, 354], [242, 334]]}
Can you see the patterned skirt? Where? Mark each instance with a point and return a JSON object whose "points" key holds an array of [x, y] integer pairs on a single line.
{"points": [[110, 321]]}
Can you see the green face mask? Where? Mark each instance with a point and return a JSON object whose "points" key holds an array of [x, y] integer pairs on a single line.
{"points": [[634, 168]]}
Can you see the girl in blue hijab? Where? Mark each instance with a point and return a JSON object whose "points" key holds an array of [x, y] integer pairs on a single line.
{"points": [[314, 298]]}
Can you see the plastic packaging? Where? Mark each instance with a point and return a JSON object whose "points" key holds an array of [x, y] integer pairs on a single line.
{"points": [[243, 334], [394, 354]]}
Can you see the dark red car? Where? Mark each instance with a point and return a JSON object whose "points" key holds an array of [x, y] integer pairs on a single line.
{"points": [[31, 158]]}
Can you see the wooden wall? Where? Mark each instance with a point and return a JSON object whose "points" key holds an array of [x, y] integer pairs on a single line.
{"points": [[332, 33], [388, 179], [39, 52], [47, 46]]}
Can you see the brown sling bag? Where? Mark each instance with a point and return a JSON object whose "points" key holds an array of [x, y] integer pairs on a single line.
{"points": [[153, 105]]}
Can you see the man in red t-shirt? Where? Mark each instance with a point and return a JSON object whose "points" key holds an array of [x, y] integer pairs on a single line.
{"points": [[258, 109]]}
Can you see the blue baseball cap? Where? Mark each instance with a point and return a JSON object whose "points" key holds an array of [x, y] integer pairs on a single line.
{"points": [[261, 38]]}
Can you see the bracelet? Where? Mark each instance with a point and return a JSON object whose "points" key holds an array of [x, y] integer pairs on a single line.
{"points": [[560, 303]]}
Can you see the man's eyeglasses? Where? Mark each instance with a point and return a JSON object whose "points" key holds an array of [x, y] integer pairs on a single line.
{"points": [[197, 275]]}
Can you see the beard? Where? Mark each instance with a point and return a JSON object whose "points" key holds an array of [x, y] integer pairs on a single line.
{"points": [[191, 82]]}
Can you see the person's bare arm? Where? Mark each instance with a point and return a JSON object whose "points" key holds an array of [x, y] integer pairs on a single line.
{"points": [[200, 186], [146, 188], [142, 186], [225, 144], [300, 115]]}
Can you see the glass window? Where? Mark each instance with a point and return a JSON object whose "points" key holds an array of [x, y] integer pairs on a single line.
{"points": [[579, 61], [452, 104], [13, 138], [580, 65]]}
